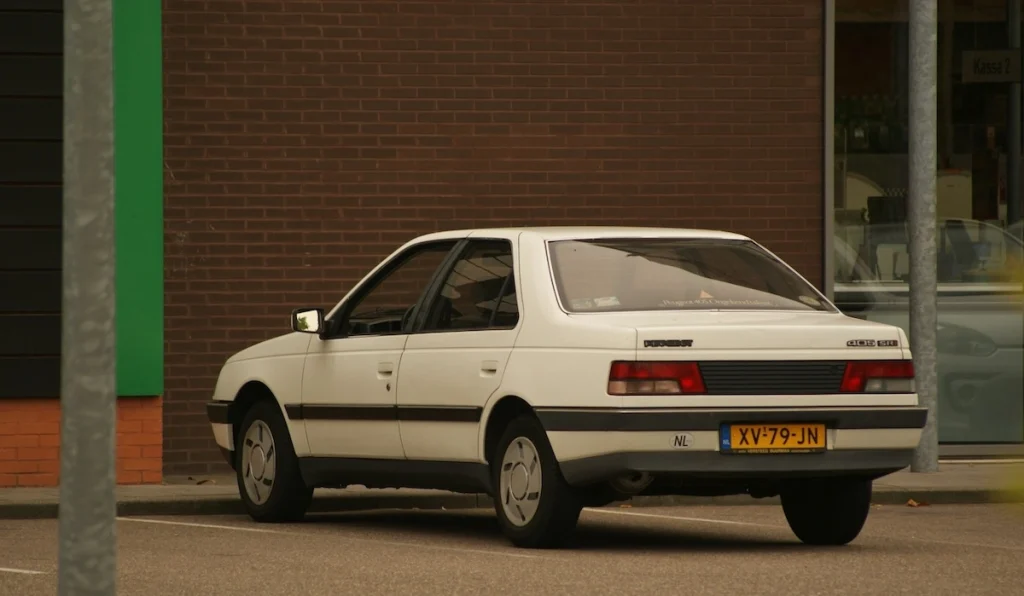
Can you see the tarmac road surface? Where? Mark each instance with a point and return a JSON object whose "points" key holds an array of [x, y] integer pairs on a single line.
{"points": [[955, 549]]}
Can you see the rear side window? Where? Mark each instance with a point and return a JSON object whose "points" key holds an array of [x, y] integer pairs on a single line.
{"points": [[634, 274], [479, 292]]}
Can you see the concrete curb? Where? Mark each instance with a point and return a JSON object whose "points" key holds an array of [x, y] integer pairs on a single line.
{"points": [[231, 505], [880, 497]]}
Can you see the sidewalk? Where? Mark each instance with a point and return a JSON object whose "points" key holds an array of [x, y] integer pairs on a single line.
{"points": [[954, 483]]}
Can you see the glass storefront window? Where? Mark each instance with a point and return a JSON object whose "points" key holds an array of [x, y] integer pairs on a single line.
{"points": [[980, 253]]}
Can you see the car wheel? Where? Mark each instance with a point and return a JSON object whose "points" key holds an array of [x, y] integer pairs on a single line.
{"points": [[267, 469], [536, 508], [827, 512]]}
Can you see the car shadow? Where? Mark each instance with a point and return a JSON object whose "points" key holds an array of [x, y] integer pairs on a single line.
{"points": [[598, 537], [590, 535]]}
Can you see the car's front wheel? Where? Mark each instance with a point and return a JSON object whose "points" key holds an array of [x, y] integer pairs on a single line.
{"points": [[828, 511], [267, 469], [536, 508]]}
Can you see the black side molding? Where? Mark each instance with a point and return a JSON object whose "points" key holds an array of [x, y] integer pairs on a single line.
{"points": [[610, 419], [380, 413], [219, 412]]}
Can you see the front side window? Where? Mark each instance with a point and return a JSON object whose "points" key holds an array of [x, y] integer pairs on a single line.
{"points": [[386, 306], [637, 274]]}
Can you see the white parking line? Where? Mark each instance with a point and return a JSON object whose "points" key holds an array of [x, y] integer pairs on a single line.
{"points": [[702, 520], [197, 525], [419, 545], [21, 571]]}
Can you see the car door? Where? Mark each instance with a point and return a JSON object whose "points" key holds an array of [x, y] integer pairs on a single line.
{"points": [[454, 361], [350, 376]]}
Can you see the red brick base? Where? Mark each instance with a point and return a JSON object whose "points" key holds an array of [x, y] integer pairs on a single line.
{"points": [[30, 441]]}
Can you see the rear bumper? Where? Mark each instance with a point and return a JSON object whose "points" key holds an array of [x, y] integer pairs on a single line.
{"points": [[596, 445], [711, 465]]}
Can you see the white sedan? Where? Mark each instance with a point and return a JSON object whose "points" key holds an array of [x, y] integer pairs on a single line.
{"points": [[560, 368]]}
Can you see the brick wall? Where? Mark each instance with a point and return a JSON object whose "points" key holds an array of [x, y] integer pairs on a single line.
{"points": [[304, 140], [30, 441]]}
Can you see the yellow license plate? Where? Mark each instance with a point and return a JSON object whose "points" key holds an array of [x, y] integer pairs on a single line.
{"points": [[773, 438]]}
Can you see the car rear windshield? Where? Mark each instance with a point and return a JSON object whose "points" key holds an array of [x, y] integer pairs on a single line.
{"points": [[615, 275]]}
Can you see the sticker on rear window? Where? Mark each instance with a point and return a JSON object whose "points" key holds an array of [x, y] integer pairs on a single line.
{"points": [[679, 303], [592, 303], [713, 303], [581, 303], [810, 301]]}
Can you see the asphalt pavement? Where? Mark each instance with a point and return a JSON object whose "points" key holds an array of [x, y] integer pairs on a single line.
{"points": [[955, 549], [954, 483]]}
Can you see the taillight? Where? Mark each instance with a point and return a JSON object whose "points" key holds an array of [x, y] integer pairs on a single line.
{"points": [[655, 378], [893, 376]]}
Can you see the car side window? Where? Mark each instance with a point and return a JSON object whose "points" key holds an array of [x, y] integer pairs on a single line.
{"points": [[387, 306], [479, 291]]}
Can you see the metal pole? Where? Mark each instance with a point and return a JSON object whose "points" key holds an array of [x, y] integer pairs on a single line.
{"points": [[921, 210], [87, 551], [1013, 129], [829, 165]]}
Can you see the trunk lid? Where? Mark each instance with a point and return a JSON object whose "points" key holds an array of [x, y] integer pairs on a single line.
{"points": [[746, 331]]}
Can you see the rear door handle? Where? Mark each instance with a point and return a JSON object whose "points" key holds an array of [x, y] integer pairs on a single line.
{"points": [[489, 367]]}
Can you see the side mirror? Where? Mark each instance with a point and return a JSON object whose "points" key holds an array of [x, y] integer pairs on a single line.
{"points": [[308, 320]]}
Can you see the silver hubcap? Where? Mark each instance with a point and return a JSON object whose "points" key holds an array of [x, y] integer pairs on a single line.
{"points": [[520, 481], [259, 462]]}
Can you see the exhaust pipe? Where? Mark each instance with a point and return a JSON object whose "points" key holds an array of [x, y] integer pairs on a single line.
{"points": [[631, 484]]}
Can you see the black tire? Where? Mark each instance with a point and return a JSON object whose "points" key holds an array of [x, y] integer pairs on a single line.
{"points": [[559, 506], [289, 496], [827, 512]]}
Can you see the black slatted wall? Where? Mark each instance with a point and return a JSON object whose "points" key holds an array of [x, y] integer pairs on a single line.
{"points": [[31, 84]]}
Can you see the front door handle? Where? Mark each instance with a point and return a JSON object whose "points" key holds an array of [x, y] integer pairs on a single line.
{"points": [[385, 369]]}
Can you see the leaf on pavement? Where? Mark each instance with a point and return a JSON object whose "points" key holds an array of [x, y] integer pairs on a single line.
{"points": [[913, 503]]}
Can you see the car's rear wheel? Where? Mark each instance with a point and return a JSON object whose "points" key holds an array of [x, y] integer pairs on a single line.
{"points": [[536, 508], [828, 511], [267, 469]]}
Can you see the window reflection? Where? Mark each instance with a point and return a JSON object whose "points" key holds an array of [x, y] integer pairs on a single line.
{"points": [[980, 253], [968, 251]]}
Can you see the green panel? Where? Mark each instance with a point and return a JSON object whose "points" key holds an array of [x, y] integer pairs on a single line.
{"points": [[138, 162]]}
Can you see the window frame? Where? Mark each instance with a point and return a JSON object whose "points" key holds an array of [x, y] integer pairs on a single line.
{"points": [[501, 299], [434, 292], [334, 321]]}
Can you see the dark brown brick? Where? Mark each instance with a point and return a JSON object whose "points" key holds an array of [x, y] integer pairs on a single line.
{"points": [[306, 140]]}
